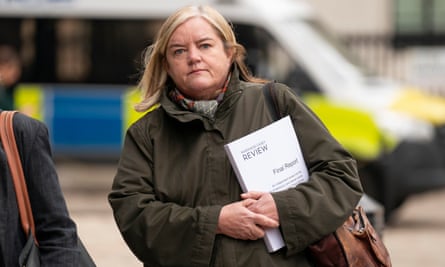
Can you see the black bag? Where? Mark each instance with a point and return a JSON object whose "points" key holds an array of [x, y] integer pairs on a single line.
{"points": [[29, 256], [85, 258]]}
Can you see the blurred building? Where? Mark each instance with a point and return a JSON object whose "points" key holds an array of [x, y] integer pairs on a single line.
{"points": [[404, 39]]}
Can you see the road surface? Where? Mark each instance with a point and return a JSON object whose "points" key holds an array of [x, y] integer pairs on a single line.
{"points": [[415, 237]]}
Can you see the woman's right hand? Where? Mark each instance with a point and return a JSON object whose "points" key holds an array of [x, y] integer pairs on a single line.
{"points": [[237, 221]]}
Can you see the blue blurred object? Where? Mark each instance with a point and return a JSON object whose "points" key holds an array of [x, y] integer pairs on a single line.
{"points": [[85, 121]]}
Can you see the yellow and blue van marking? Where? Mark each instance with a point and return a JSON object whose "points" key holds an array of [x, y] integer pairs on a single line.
{"points": [[85, 120]]}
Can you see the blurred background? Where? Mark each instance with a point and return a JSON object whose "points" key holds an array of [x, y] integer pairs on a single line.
{"points": [[373, 71]]}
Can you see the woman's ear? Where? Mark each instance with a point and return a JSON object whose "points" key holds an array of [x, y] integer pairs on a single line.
{"points": [[231, 51]]}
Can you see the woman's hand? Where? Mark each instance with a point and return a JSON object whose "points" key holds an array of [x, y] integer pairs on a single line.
{"points": [[238, 221], [264, 204]]}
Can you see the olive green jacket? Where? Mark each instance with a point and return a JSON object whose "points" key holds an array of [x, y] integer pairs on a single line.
{"points": [[174, 177]]}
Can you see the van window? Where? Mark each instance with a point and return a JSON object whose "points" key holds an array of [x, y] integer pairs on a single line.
{"points": [[109, 51], [267, 58]]}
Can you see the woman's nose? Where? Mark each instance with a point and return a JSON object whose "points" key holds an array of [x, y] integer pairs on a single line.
{"points": [[194, 54]]}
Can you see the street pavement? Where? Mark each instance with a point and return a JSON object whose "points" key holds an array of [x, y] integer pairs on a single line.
{"points": [[415, 237]]}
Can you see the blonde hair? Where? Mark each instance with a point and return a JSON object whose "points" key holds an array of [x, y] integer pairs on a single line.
{"points": [[154, 76]]}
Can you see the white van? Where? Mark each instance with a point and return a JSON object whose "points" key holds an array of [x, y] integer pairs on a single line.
{"points": [[84, 53]]}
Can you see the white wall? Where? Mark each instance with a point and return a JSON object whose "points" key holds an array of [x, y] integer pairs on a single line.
{"points": [[355, 16]]}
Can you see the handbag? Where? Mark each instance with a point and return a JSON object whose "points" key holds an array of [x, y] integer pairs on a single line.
{"points": [[29, 256], [353, 244]]}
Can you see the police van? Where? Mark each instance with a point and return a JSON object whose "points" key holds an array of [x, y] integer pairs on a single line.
{"points": [[81, 61]]}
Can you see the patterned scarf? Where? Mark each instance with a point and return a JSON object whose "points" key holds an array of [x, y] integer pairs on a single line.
{"points": [[204, 107]]}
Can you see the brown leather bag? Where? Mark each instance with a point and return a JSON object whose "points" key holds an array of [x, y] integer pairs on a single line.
{"points": [[354, 244]]}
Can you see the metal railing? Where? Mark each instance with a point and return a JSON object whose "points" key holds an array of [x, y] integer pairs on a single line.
{"points": [[377, 53]]}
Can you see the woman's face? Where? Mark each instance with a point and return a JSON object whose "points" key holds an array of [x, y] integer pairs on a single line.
{"points": [[197, 61]]}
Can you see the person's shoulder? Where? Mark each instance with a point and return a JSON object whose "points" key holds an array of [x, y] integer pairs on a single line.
{"points": [[26, 124], [148, 118], [259, 85], [21, 118], [281, 87], [251, 88], [282, 90], [251, 85]]}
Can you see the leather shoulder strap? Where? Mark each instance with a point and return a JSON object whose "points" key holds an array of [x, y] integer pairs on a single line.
{"points": [[15, 166]]}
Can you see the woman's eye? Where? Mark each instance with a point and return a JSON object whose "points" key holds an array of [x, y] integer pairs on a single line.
{"points": [[205, 46], [179, 51]]}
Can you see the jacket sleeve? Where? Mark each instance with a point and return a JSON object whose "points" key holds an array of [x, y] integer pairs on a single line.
{"points": [[319, 206], [55, 231], [158, 232]]}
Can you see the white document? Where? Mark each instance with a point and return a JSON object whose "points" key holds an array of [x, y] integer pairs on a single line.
{"points": [[269, 160]]}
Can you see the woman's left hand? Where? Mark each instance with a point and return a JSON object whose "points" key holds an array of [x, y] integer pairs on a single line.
{"points": [[264, 204]]}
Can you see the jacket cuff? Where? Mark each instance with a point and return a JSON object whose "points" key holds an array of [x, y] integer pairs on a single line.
{"points": [[203, 251]]}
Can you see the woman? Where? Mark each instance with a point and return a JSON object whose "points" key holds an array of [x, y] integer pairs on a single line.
{"points": [[175, 197], [55, 231]]}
